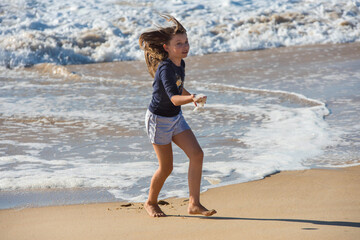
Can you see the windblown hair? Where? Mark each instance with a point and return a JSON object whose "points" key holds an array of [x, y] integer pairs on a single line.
{"points": [[152, 43]]}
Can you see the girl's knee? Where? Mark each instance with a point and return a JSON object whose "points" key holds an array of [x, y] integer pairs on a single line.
{"points": [[197, 154], [200, 153], [166, 171]]}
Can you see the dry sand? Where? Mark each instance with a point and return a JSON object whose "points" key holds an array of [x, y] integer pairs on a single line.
{"points": [[309, 204]]}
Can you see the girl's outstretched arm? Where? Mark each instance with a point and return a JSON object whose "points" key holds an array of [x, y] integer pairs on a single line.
{"points": [[185, 98], [178, 100]]}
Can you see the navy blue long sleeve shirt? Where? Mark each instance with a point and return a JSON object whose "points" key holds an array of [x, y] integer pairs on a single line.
{"points": [[169, 81]]}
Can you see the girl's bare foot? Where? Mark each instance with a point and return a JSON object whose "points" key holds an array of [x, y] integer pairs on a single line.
{"points": [[154, 210], [200, 209]]}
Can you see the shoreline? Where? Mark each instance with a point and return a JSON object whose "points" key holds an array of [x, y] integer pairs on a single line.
{"points": [[305, 204], [258, 69], [19, 199]]}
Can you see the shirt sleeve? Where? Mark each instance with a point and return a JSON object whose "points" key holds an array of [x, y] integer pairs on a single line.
{"points": [[168, 79]]}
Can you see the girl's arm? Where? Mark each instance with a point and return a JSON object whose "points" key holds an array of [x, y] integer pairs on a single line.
{"points": [[183, 99]]}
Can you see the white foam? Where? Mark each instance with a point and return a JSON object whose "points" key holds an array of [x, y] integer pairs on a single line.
{"points": [[31, 172], [276, 138], [69, 31]]}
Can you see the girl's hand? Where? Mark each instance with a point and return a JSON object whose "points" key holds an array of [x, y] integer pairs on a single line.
{"points": [[199, 99], [193, 96]]}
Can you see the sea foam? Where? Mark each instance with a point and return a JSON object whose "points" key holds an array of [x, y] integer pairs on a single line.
{"points": [[72, 32], [77, 141]]}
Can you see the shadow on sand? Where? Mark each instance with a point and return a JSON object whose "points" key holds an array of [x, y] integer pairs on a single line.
{"points": [[316, 222]]}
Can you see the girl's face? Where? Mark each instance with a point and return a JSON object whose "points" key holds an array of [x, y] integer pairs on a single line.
{"points": [[178, 47]]}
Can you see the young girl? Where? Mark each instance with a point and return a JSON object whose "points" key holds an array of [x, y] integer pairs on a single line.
{"points": [[164, 51]]}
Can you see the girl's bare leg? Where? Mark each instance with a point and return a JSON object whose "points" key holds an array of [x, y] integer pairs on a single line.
{"points": [[187, 142], [165, 158]]}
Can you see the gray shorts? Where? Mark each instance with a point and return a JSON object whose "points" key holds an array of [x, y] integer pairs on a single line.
{"points": [[161, 129]]}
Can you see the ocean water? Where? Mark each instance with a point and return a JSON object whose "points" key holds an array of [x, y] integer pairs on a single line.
{"points": [[75, 133], [77, 32]]}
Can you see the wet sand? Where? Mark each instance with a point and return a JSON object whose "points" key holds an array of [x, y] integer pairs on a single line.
{"points": [[309, 204]]}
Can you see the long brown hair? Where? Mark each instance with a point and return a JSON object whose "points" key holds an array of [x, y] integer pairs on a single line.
{"points": [[152, 43]]}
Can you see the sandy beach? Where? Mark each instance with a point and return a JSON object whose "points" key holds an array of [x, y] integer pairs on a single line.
{"points": [[308, 204]]}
